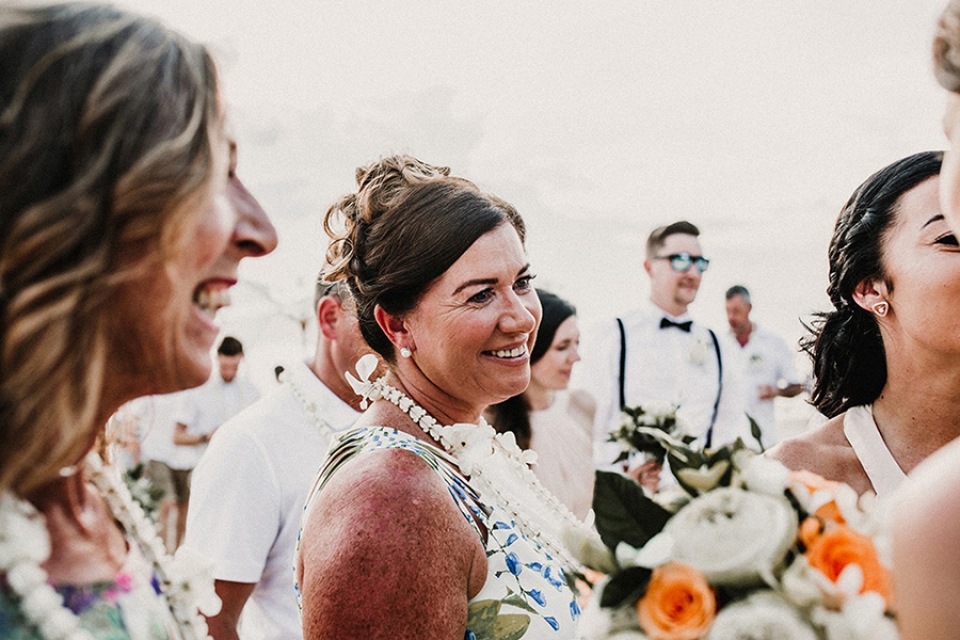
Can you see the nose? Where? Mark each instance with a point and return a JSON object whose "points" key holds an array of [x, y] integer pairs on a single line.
{"points": [[254, 234], [522, 313], [575, 353]]}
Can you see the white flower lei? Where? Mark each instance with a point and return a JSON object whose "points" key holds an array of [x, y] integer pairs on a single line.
{"points": [[498, 469], [25, 545]]}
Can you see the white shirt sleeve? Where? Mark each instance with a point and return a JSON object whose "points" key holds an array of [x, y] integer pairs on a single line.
{"points": [[235, 503]]}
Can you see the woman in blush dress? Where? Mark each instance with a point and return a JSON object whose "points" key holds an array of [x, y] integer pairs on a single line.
{"points": [[548, 419]]}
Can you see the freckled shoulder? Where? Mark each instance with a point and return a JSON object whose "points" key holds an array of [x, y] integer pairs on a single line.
{"points": [[386, 553], [826, 451]]}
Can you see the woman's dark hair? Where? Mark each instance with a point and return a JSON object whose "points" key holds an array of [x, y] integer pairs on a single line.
{"points": [[405, 226], [513, 414], [849, 361]]}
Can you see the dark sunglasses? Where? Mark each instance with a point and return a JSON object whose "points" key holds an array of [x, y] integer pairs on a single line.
{"points": [[681, 262]]}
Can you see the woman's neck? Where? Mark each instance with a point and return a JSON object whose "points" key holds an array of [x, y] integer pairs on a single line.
{"points": [[539, 397], [86, 545], [918, 410]]}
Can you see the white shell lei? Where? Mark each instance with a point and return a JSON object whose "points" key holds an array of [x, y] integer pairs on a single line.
{"points": [[309, 406], [496, 466], [25, 546]]}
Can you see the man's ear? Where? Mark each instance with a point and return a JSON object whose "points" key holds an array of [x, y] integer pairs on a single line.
{"points": [[393, 327], [647, 265], [868, 293], [329, 313]]}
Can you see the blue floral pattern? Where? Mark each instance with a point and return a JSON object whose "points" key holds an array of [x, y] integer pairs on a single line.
{"points": [[526, 595]]}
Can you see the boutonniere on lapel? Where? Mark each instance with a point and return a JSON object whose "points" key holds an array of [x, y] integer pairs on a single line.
{"points": [[756, 360], [698, 355]]}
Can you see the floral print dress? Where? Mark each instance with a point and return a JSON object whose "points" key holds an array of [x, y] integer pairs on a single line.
{"points": [[526, 595]]}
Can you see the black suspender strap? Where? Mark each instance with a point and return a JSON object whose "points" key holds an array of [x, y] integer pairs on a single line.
{"points": [[623, 362], [716, 403]]}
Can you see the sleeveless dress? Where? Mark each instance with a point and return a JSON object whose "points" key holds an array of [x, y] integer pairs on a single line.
{"points": [[861, 431], [526, 595], [130, 607]]}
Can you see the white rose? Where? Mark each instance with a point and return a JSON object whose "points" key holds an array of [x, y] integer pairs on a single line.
{"points": [[734, 537], [862, 618], [761, 616], [658, 409], [803, 585], [762, 474]]}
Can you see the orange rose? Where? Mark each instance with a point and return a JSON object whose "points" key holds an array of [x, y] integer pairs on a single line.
{"points": [[678, 605], [841, 546], [814, 483]]}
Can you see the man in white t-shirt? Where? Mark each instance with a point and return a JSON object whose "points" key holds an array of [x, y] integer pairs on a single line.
{"points": [[250, 486], [201, 411], [765, 366]]}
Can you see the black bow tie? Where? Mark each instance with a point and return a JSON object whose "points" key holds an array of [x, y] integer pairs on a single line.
{"points": [[666, 323]]}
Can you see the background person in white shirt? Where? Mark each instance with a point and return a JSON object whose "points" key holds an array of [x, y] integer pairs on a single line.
{"points": [[200, 412], [250, 487], [766, 365], [659, 353]]}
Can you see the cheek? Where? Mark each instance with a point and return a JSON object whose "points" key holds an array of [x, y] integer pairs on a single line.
{"points": [[213, 231]]}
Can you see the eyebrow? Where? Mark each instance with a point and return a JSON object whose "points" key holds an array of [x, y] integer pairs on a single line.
{"points": [[935, 218], [473, 283]]}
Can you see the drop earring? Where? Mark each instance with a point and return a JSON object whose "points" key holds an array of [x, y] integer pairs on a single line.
{"points": [[406, 353], [881, 309]]}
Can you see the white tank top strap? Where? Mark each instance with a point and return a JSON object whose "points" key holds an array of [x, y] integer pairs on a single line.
{"points": [[861, 431]]}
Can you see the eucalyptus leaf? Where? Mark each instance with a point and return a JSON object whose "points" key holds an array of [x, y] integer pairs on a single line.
{"points": [[624, 513]]}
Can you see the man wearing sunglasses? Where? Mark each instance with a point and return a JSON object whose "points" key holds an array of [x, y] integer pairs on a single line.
{"points": [[658, 353]]}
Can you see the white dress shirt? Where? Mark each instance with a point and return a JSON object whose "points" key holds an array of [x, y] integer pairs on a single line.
{"points": [[765, 359], [665, 365]]}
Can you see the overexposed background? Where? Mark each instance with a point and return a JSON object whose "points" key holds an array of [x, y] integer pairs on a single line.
{"points": [[754, 119]]}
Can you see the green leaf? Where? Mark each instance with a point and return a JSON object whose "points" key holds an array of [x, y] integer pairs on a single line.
{"points": [[624, 513], [517, 601], [756, 432], [625, 587], [487, 623]]}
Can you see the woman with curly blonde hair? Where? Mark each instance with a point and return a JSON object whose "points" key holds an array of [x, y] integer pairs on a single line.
{"points": [[122, 223]]}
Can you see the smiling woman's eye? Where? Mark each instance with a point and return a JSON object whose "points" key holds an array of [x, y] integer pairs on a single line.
{"points": [[948, 239], [524, 283], [482, 296]]}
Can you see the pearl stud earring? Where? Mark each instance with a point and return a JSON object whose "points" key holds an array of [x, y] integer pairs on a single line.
{"points": [[406, 353]]}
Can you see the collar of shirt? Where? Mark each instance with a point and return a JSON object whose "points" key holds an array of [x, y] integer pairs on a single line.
{"points": [[338, 414]]}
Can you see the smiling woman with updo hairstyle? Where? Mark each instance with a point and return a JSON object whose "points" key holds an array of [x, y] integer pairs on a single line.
{"points": [[122, 224], [887, 356], [414, 529]]}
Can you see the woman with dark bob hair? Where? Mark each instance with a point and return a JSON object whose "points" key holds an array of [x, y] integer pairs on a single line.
{"points": [[887, 357], [122, 225], [423, 521], [547, 419]]}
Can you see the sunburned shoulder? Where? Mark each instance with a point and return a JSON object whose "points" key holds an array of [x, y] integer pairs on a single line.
{"points": [[825, 451]]}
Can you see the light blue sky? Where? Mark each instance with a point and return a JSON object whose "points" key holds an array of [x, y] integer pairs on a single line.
{"points": [[754, 119]]}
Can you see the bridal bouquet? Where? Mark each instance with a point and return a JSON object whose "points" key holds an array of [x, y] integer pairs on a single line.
{"points": [[740, 548]]}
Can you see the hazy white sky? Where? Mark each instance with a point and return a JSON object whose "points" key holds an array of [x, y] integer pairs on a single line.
{"points": [[754, 119]]}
